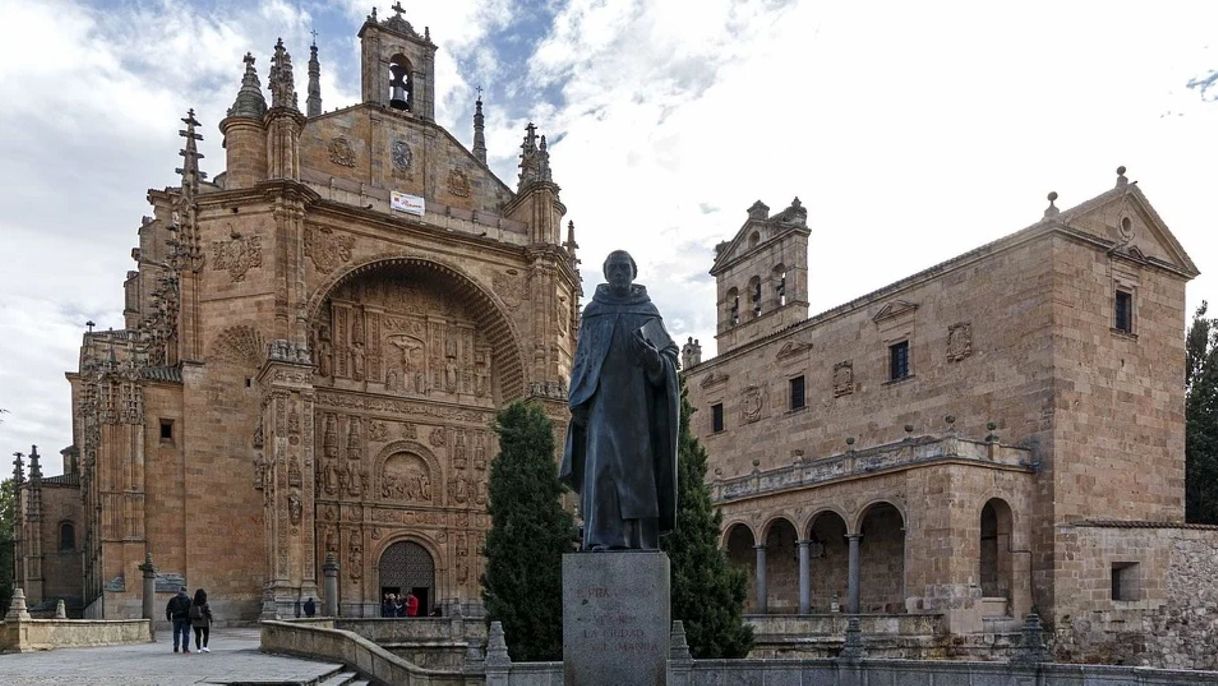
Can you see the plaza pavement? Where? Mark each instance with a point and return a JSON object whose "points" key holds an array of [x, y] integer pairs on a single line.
{"points": [[234, 658]]}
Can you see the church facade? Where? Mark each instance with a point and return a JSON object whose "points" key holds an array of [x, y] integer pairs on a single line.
{"points": [[317, 341], [1001, 432]]}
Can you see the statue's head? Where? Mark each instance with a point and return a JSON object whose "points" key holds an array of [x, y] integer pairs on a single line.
{"points": [[620, 270]]}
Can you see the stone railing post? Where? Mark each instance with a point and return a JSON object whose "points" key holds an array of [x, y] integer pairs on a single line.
{"points": [[680, 662], [329, 570], [1032, 648], [17, 611], [149, 591], [498, 662], [852, 649], [61, 610]]}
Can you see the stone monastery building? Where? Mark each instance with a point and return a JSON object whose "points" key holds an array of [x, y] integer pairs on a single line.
{"points": [[316, 343], [1001, 432], [318, 338]]}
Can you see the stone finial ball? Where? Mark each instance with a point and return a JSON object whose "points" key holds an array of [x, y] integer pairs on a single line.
{"points": [[950, 419], [909, 428], [1121, 170], [850, 440], [991, 426], [1052, 196]]}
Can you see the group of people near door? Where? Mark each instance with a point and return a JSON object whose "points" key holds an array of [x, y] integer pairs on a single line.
{"points": [[394, 605]]}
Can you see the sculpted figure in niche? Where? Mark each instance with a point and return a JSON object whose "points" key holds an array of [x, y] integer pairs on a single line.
{"points": [[357, 361], [413, 379], [324, 351], [621, 447]]}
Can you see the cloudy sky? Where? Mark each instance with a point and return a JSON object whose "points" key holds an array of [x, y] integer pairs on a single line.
{"points": [[912, 131]]}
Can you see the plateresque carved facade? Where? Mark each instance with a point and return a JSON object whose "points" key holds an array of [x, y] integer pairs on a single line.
{"points": [[988, 436], [306, 369]]}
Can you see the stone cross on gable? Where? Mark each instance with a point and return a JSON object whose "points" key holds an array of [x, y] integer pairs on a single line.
{"points": [[314, 34], [397, 9], [479, 89]]}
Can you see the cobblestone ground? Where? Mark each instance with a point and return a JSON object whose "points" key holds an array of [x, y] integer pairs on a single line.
{"points": [[234, 658]]}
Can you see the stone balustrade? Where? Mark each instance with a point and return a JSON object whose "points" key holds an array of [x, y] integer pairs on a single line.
{"points": [[905, 454]]}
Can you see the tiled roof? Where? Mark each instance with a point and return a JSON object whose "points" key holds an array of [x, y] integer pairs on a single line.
{"points": [[168, 374]]}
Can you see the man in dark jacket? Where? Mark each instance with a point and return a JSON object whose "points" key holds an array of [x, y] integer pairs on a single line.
{"points": [[310, 607], [178, 612]]}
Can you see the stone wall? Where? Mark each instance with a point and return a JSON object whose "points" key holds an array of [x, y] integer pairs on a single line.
{"points": [[47, 634], [61, 563], [320, 640], [1168, 615]]}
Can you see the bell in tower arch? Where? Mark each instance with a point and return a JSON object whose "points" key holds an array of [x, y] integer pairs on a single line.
{"points": [[399, 83]]}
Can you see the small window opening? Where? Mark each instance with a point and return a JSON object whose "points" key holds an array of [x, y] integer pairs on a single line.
{"points": [[248, 382], [898, 361], [67, 536], [717, 417], [1124, 312], [782, 289], [754, 239], [798, 401], [733, 314], [1126, 581], [166, 430], [755, 294]]}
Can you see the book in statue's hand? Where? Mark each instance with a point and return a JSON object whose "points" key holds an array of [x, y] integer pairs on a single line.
{"points": [[653, 332]]}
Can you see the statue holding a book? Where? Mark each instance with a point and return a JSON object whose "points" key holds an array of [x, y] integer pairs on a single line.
{"points": [[621, 450]]}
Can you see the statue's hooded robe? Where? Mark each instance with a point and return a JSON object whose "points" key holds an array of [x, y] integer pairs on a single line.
{"points": [[621, 450]]}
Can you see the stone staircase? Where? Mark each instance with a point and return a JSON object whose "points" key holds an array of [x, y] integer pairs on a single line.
{"points": [[342, 678]]}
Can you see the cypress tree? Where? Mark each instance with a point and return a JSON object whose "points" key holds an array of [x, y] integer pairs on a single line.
{"points": [[1201, 417], [707, 592], [530, 532]]}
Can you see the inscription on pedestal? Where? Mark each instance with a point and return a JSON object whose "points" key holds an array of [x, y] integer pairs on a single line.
{"points": [[616, 618]]}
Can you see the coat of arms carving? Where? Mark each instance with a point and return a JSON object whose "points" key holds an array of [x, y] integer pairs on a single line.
{"points": [[341, 152], [752, 401], [237, 255], [843, 379], [401, 154], [959, 341], [327, 249], [458, 183]]}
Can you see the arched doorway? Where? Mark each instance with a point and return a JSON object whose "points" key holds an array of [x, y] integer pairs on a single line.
{"points": [[741, 555], [830, 562], [995, 563], [407, 566], [882, 560]]}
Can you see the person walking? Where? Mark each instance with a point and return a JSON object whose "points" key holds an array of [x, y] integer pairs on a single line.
{"points": [[200, 619], [178, 612], [310, 607]]}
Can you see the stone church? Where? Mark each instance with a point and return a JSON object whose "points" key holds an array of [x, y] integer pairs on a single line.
{"points": [[316, 344], [1000, 432]]}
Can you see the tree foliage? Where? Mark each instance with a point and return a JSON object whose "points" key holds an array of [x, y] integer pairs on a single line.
{"points": [[8, 532], [530, 532], [707, 592], [1201, 412]]}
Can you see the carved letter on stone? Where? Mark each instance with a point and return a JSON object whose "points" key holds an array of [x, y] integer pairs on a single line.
{"points": [[458, 183], [843, 379], [341, 152], [237, 255], [327, 249], [959, 341], [753, 399]]}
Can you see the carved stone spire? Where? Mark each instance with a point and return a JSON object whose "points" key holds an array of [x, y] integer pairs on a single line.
{"points": [[34, 501], [544, 153], [313, 104], [282, 82], [189, 250], [35, 467], [571, 246], [18, 472], [530, 161], [249, 102], [479, 134]]}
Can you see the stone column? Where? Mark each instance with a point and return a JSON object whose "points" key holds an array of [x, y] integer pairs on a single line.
{"points": [[17, 611], [761, 584], [852, 585], [805, 577], [149, 590], [329, 569]]}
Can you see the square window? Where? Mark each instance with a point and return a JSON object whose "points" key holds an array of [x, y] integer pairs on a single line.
{"points": [[798, 401], [717, 417], [1123, 315], [166, 430], [1126, 581], [898, 361]]}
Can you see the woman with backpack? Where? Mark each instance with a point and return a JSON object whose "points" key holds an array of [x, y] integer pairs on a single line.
{"points": [[200, 619]]}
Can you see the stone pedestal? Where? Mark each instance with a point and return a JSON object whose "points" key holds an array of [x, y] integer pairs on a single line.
{"points": [[616, 618]]}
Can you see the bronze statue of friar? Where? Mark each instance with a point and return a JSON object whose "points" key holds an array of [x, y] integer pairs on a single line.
{"points": [[621, 450]]}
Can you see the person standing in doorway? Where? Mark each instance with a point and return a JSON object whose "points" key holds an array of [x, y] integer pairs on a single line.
{"points": [[200, 619], [412, 604], [178, 612]]}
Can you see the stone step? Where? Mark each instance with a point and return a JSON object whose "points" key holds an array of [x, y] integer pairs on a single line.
{"points": [[341, 679]]}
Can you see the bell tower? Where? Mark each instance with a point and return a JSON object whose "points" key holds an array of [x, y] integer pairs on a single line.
{"points": [[398, 65]]}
